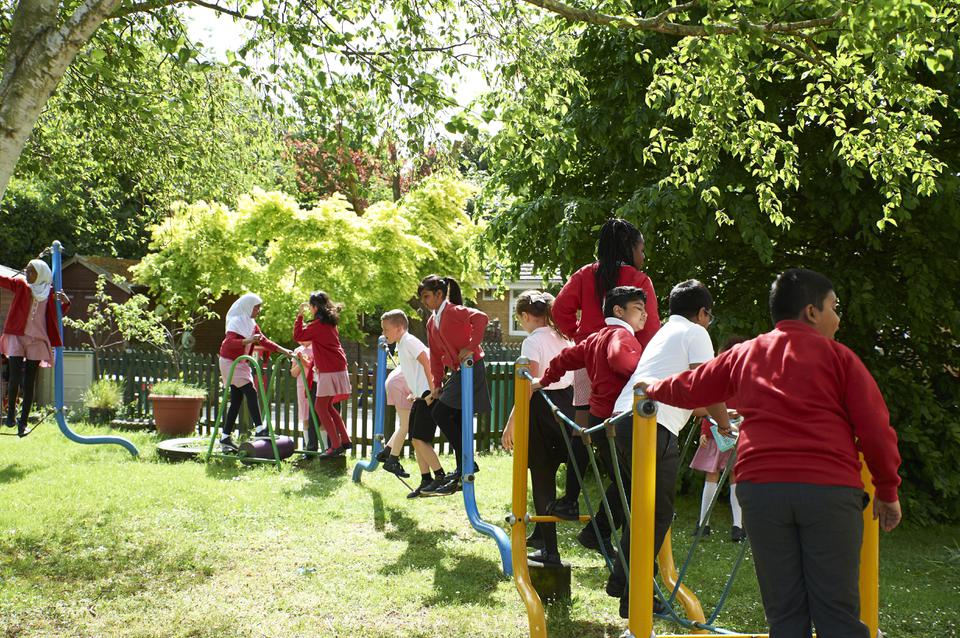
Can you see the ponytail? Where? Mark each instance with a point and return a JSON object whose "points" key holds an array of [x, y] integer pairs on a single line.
{"points": [[618, 238], [447, 285], [538, 304]]}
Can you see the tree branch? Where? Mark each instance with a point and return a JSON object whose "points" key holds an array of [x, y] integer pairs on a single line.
{"points": [[152, 5], [660, 24]]}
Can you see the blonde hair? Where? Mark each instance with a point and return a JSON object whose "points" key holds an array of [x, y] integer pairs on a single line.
{"points": [[396, 317]]}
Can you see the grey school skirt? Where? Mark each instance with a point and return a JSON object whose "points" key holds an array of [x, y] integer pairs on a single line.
{"points": [[481, 395]]}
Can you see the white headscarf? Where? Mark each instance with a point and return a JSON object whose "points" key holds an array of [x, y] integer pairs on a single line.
{"points": [[41, 287], [238, 317]]}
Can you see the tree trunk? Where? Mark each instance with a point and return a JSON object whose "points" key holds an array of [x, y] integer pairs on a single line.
{"points": [[37, 57]]}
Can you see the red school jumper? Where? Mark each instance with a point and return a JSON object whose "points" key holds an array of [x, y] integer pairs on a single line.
{"points": [[580, 293], [460, 327], [610, 357], [806, 402], [16, 321], [328, 354]]}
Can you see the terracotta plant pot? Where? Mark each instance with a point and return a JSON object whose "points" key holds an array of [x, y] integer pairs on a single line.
{"points": [[176, 416]]}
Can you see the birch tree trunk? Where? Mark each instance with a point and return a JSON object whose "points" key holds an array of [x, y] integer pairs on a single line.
{"points": [[39, 53]]}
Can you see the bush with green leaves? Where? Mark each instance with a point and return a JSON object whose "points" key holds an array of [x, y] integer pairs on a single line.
{"points": [[104, 394]]}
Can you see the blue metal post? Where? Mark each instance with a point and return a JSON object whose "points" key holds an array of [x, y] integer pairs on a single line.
{"points": [[469, 489], [58, 374], [379, 409]]}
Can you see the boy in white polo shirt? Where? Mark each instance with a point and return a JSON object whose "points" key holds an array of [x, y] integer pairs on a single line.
{"points": [[414, 359], [682, 343]]}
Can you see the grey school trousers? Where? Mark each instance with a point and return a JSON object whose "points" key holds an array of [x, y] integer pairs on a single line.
{"points": [[806, 546]]}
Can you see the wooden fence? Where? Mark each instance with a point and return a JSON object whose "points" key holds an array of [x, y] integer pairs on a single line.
{"points": [[138, 370]]}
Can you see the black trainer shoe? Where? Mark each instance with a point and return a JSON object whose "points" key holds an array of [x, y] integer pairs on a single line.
{"points": [[332, 452], [541, 556], [393, 466], [564, 509], [417, 493], [9, 421], [262, 433], [22, 429], [737, 535], [383, 454], [435, 484], [348, 445], [450, 487], [227, 446], [705, 533]]}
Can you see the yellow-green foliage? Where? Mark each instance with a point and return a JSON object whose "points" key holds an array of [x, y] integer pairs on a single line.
{"points": [[105, 394], [271, 246]]}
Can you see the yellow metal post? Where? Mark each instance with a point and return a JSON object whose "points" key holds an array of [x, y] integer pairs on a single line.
{"points": [[870, 560], [670, 576], [518, 527], [642, 501]]}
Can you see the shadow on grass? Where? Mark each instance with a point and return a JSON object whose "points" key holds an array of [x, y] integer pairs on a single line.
{"points": [[93, 558], [321, 481], [15, 472], [561, 625]]}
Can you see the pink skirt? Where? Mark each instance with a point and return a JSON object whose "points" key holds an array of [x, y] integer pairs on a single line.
{"points": [[30, 348], [333, 384], [709, 458], [241, 375], [398, 391], [581, 388]]}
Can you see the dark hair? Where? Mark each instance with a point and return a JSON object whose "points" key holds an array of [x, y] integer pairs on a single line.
{"points": [[397, 317], [621, 296], [795, 289], [618, 238], [327, 311], [688, 297], [447, 285], [731, 341]]}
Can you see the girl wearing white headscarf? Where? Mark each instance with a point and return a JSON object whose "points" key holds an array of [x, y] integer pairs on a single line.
{"points": [[242, 337], [29, 334]]}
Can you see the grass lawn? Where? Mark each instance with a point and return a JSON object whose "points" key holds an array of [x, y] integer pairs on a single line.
{"points": [[93, 543]]}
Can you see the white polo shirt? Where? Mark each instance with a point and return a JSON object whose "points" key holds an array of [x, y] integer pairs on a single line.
{"points": [[542, 346], [408, 349], [678, 344]]}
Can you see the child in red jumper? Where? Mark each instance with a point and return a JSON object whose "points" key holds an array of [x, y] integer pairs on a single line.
{"points": [[809, 406], [610, 356], [29, 334], [242, 337], [454, 333], [330, 376]]}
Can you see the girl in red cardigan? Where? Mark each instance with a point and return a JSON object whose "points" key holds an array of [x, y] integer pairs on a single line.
{"points": [[330, 377], [242, 338], [454, 333], [29, 334]]}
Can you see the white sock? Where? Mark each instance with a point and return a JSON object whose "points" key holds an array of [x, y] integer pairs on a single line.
{"points": [[735, 507], [709, 491]]}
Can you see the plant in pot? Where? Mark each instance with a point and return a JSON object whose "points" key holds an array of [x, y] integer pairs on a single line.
{"points": [[176, 407], [103, 399]]}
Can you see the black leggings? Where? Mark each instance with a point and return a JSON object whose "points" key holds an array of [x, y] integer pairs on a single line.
{"points": [[450, 422], [236, 398], [22, 373], [579, 461]]}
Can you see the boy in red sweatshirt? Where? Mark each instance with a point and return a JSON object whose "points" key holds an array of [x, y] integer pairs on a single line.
{"points": [[610, 356], [809, 405]]}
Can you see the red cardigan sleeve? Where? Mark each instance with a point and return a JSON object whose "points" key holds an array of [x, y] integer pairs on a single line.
{"points": [[266, 344], [11, 283], [709, 383], [868, 414], [566, 304], [571, 358], [623, 353]]}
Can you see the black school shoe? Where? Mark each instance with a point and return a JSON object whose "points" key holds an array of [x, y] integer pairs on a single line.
{"points": [[588, 539], [417, 493], [227, 446], [435, 484], [564, 509], [706, 531], [616, 585], [450, 487], [541, 556], [393, 466], [383, 454], [737, 535]]}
